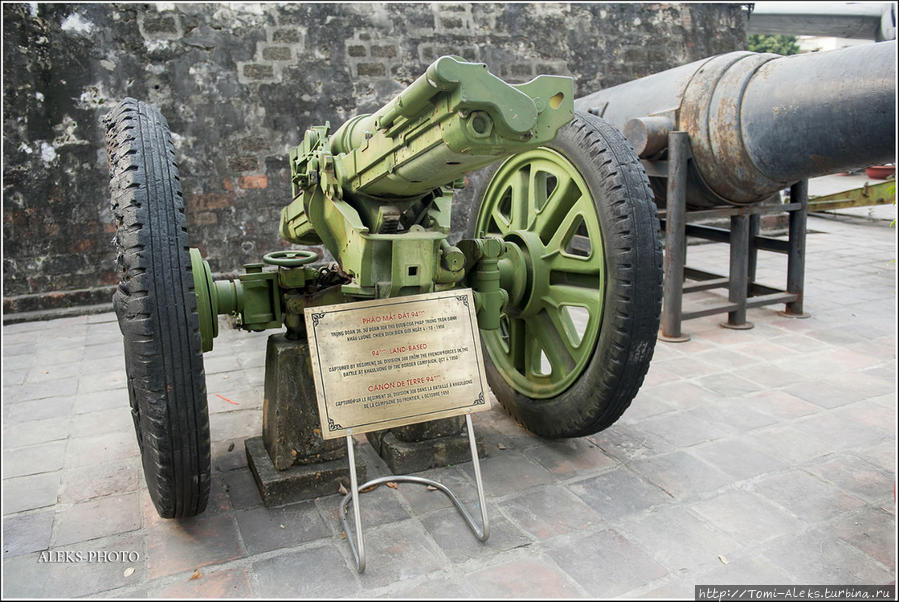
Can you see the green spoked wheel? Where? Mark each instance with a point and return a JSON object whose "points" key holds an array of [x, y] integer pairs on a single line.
{"points": [[583, 270], [539, 202]]}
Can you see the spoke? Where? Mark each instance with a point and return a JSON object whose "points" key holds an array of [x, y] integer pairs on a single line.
{"points": [[504, 333], [568, 221], [554, 344], [564, 325], [520, 198], [561, 294], [573, 265], [500, 220], [531, 357], [582, 208], [517, 344], [557, 208], [537, 198]]}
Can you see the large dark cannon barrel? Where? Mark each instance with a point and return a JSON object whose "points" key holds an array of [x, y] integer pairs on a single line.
{"points": [[759, 122]]}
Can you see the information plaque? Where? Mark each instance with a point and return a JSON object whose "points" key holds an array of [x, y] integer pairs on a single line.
{"points": [[391, 362]]}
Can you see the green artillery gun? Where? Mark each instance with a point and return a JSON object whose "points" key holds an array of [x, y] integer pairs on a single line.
{"points": [[563, 256]]}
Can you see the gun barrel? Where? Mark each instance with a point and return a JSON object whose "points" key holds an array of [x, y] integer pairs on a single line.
{"points": [[759, 122], [840, 115], [455, 118]]}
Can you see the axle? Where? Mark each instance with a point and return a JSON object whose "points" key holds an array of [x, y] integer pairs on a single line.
{"points": [[260, 299]]}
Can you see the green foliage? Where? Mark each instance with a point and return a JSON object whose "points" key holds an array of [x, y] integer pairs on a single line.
{"points": [[777, 44]]}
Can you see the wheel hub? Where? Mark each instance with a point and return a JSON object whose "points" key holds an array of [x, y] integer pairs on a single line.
{"points": [[526, 255]]}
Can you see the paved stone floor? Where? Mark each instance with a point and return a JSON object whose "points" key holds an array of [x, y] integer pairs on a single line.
{"points": [[758, 456]]}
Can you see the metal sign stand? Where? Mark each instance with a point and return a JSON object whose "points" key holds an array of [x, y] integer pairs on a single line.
{"points": [[358, 547]]}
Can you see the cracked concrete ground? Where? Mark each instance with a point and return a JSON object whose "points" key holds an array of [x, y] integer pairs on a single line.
{"points": [[758, 456]]}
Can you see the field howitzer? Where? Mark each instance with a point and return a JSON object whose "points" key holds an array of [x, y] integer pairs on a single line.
{"points": [[563, 257], [378, 192]]}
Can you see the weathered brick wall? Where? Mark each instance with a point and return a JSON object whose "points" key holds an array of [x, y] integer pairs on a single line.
{"points": [[240, 83]]}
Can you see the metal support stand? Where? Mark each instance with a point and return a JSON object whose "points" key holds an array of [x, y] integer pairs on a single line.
{"points": [[755, 225], [744, 240], [358, 546], [796, 255], [738, 286], [675, 243]]}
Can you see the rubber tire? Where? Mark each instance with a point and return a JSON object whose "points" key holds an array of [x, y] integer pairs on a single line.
{"points": [[633, 297], [157, 310]]}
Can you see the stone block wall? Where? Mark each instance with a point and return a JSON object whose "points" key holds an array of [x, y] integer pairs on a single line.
{"points": [[240, 83]]}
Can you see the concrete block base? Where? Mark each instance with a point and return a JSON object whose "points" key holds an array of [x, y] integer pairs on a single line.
{"points": [[300, 481], [405, 457], [290, 424]]}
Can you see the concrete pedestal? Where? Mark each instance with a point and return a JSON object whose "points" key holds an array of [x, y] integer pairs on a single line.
{"points": [[291, 461], [300, 481], [290, 425], [418, 447]]}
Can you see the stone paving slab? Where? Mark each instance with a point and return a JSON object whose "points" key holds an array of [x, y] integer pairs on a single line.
{"points": [[771, 449]]}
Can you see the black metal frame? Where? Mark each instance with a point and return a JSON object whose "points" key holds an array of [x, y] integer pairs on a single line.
{"points": [[745, 243]]}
